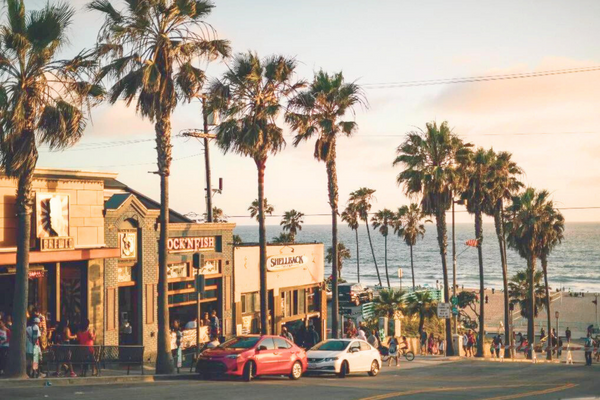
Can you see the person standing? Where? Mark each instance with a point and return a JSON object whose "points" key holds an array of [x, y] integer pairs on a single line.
{"points": [[568, 334], [31, 348], [393, 351], [373, 339], [312, 337], [589, 347], [286, 334], [214, 324], [4, 343], [361, 333], [423, 342], [542, 334], [86, 337]]}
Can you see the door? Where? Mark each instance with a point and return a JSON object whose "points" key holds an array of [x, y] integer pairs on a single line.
{"points": [[283, 352], [265, 357], [353, 356], [366, 356]]}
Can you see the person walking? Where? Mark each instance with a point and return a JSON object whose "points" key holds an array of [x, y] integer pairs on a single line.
{"points": [[393, 351], [32, 348], [568, 334], [361, 333], [423, 342], [63, 336], [312, 337], [373, 339], [465, 342], [86, 337], [589, 347], [4, 343]]}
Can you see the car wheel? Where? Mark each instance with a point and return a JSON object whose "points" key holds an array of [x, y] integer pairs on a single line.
{"points": [[374, 368], [343, 370], [296, 371], [249, 371]]}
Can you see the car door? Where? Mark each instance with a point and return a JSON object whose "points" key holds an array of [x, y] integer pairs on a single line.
{"points": [[353, 356], [283, 353], [366, 356], [265, 357]]}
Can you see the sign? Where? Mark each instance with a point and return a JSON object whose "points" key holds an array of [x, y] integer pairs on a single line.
{"points": [[52, 215], [188, 338], [125, 274], [443, 310], [176, 271], [400, 273], [56, 243], [247, 324], [285, 262], [367, 310], [454, 310], [128, 244], [190, 244], [454, 300], [209, 268]]}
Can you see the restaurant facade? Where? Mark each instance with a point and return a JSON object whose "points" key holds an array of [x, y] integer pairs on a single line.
{"points": [[295, 284]]}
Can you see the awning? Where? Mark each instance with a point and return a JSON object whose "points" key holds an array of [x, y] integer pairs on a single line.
{"points": [[41, 257]]}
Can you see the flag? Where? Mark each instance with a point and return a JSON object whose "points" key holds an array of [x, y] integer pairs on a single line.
{"points": [[472, 242]]}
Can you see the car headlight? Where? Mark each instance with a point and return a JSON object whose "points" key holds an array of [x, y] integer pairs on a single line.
{"points": [[233, 356], [330, 359]]}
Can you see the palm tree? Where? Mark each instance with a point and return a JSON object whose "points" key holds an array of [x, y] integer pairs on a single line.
{"points": [[383, 220], [477, 197], [504, 174], [267, 208], [43, 101], [319, 111], [423, 305], [283, 238], [151, 48], [408, 226], [342, 254], [362, 199], [217, 215], [292, 221], [519, 293], [350, 216], [389, 303], [237, 239], [249, 97], [430, 160], [552, 235], [527, 223]]}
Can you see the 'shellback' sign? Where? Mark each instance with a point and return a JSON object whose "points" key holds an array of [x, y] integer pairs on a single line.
{"points": [[284, 262]]}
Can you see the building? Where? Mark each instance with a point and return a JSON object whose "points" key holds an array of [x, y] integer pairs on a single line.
{"points": [[68, 253], [297, 295]]}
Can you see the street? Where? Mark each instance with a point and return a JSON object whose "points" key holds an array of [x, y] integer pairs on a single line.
{"points": [[421, 379]]}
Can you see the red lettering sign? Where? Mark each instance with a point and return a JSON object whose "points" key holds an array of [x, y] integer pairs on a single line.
{"points": [[190, 244]]}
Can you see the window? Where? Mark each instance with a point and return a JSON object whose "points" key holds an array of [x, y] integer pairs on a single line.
{"points": [[288, 305], [281, 343], [250, 303], [268, 343], [364, 346], [241, 342], [313, 299], [354, 345], [301, 294]]}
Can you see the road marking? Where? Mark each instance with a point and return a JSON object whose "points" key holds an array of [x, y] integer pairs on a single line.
{"points": [[535, 393], [460, 388]]}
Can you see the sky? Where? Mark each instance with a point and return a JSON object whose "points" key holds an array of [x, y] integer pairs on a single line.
{"points": [[381, 42]]}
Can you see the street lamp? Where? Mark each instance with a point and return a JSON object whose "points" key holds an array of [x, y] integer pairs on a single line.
{"points": [[556, 315]]}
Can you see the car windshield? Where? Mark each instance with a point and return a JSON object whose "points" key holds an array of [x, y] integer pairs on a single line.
{"points": [[242, 342], [344, 289], [331, 345]]}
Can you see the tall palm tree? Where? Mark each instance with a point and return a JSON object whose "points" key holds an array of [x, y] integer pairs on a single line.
{"points": [[421, 304], [267, 208], [506, 184], [43, 101], [362, 199], [217, 215], [431, 170], [350, 216], [408, 227], [389, 303], [384, 219], [477, 197], [292, 221], [250, 96], [319, 111], [526, 225], [551, 236], [519, 293], [343, 253], [150, 49]]}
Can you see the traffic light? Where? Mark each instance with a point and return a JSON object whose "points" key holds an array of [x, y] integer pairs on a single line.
{"points": [[198, 260]]}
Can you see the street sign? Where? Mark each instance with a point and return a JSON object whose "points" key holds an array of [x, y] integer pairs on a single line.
{"points": [[454, 300], [367, 310], [454, 310], [400, 273], [443, 310]]}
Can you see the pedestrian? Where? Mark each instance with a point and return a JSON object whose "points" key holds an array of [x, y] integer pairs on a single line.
{"points": [[486, 299], [568, 334], [393, 351], [470, 343], [286, 334], [423, 342], [441, 347], [312, 337], [589, 347], [86, 337], [63, 336], [32, 348], [498, 345], [205, 320], [465, 341], [214, 324], [373, 339], [560, 345], [542, 334], [4, 343], [361, 333]]}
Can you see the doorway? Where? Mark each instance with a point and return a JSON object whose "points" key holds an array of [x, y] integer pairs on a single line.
{"points": [[128, 316]]}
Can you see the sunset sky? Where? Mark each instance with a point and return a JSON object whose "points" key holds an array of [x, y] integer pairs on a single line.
{"points": [[381, 42]]}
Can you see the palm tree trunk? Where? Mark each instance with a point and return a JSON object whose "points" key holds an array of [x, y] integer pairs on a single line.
{"points": [[16, 367], [373, 252], [412, 267], [502, 243], [357, 257], [479, 235], [164, 359], [262, 239], [440, 219], [333, 202], [545, 269], [387, 275], [531, 301]]}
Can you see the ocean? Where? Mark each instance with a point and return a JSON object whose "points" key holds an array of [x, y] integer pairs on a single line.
{"points": [[573, 265]]}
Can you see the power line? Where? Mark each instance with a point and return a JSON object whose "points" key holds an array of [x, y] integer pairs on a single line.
{"points": [[481, 78], [135, 165]]}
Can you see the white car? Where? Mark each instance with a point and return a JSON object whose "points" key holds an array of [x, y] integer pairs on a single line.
{"points": [[343, 356]]}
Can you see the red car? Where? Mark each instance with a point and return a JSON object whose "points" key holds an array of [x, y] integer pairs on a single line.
{"points": [[253, 355]]}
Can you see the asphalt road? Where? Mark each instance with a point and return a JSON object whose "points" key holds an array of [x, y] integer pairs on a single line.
{"points": [[417, 380]]}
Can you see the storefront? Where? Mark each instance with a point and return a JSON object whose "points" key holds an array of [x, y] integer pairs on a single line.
{"points": [[295, 275], [66, 274], [132, 279]]}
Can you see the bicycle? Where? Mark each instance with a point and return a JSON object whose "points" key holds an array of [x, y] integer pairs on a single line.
{"points": [[385, 355]]}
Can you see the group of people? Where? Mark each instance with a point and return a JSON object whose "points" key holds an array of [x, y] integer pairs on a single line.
{"points": [[304, 338], [469, 342], [432, 345], [209, 320]]}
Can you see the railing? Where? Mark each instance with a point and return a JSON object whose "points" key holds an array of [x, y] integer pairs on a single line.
{"points": [[92, 356]]}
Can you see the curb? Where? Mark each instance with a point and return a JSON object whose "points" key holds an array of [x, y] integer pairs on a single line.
{"points": [[94, 380]]}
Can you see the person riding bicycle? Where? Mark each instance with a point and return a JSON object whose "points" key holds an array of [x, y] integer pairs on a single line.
{"points": [[403, 345]]}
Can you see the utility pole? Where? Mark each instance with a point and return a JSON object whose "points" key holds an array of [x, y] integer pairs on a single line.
{"points": [[205, 136]]}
